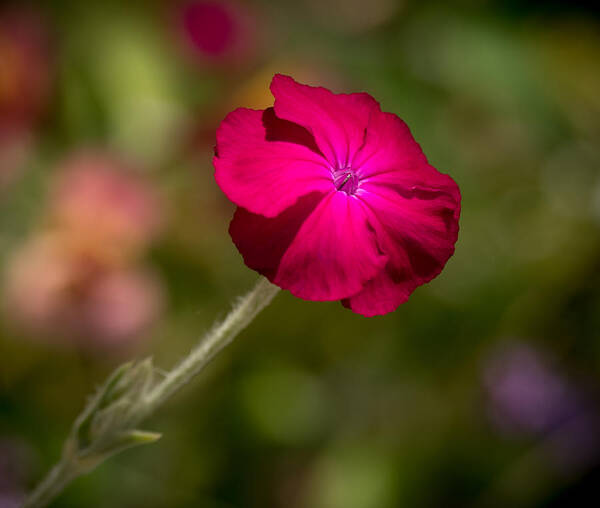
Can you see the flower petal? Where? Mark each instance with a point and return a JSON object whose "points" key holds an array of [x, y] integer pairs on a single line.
{"points": [[383, 294], [263, 167], [334, 252], [417, 230], [337, 121], [389, 146], [263, 241], [322, 248]]}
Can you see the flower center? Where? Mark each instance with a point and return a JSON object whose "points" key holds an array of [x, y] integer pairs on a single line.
{"points": [[345, 180]]}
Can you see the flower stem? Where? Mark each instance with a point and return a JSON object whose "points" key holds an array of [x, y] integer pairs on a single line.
{"points": [[77, 460], [220, 336], [53, 484]]}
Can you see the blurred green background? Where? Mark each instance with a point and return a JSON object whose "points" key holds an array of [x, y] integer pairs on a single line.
{"points": [[481, 391]]}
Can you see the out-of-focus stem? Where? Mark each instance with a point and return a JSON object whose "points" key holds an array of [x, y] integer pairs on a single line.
{"points": [[53, 484], [122, 429], [215, 340]]}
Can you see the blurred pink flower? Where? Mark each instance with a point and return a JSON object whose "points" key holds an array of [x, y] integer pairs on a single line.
{"points": [[53, 290], [218, 31], [336, 200], [100, 201], [122, 304], [78, 277]]}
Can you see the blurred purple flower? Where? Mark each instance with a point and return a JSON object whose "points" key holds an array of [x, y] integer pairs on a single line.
{"points": [[218, 31], [525, 393], [528, 395]]}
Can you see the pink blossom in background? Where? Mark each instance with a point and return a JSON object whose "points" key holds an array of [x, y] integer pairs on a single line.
{"points": [[102, 200], [53, 290], [218, 31], [123, 303], [38, 276], [78, 277], [336, 200]]}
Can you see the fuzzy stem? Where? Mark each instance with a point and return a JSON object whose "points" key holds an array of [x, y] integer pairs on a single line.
{"points": [[242, 314], [215, 340], [52, 485]]}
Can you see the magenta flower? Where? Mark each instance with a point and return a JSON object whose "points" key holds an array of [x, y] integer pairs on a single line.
{"points": [[218, 31], [336, 200]]}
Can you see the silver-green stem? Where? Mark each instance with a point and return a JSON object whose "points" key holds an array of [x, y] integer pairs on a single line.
{"points": [[53, 484], [220, 336], [108, 423]]}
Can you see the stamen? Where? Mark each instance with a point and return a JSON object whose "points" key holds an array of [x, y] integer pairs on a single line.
{"points": [[348, 176], [345, 180]]}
